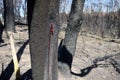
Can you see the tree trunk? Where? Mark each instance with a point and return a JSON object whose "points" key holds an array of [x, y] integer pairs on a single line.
{"points": [[67, 50], [43, 26], [1, 32], [9, 15], [118, 24]]}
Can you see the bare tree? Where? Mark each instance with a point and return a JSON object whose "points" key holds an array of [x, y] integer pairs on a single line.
{"points": [[67, 51]]}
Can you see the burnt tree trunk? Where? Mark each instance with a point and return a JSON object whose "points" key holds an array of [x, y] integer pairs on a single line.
{"points": [[9, 15], [43, 34], [1, 32], [118, 24], [67, 49]]}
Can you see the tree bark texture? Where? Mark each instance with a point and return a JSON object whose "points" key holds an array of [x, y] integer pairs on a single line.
{"points": [[54, 19], [43, 42], [69, 44]]}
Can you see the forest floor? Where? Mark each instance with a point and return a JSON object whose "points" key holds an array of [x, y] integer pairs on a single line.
{"points": [[88, 50]]}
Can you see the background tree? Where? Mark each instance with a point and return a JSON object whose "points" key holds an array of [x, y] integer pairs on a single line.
{"points": [[101, 19], [9, 15], [20, 8], [67, 51], [1, 31]]}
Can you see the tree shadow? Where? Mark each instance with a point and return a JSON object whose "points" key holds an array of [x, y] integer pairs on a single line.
{"points": [[65, 58], [1, 32], [27, 75], [85, 71], [4, 44], [64, 55], [95, 64], [7, 73]]}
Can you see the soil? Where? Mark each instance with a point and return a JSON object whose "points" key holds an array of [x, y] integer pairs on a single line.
{"points": [[94, 59]]}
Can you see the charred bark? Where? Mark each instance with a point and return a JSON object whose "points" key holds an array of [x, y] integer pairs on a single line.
{"points": [[9, 15], [1, 32], [73, 27]]}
